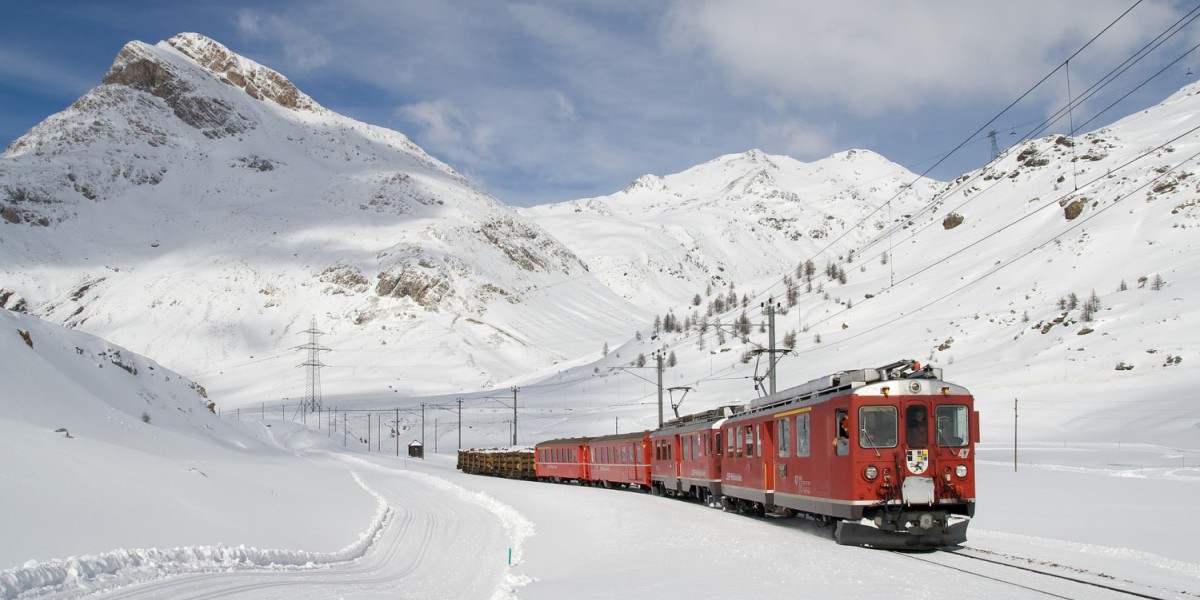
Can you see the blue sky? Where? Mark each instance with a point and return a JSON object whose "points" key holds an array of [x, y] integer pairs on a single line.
{"points": [[545, 101]]}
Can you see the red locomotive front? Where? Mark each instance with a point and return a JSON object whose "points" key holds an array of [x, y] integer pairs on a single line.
{"points": [[893, 445]]}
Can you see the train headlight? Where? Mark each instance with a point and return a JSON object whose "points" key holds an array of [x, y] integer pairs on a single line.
{"points": [[870, 472], [960, 471]]}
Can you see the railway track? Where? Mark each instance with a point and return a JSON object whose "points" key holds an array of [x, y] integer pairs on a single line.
{"points": [[1085, 583]]}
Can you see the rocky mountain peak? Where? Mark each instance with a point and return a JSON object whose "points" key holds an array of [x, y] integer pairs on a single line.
{"points": [[257, 81], [148, 69]]}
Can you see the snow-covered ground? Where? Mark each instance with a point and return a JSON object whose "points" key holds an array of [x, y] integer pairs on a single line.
{"points": [[1115, 516], [118, 481]]}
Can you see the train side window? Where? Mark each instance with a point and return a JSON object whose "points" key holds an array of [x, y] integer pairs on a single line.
{"points": [[841, 426], [783, 436], [877, 427], [916, 426], [802, 437], [687, 447], [741, 440], [749, 441], [729, 442], [953, 425], [717, 443]]}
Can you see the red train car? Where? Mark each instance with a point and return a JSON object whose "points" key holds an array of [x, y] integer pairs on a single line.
{"points": [[562, 460], [686, 456], [893, 445], [620, 460]]}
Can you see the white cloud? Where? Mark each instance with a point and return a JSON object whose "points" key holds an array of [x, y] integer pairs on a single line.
{"points": [[302, 48], [447, 131], [795, 138], [881, 55]]}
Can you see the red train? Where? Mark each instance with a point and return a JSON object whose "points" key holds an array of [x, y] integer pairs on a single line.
{"points": [[885, 454]]}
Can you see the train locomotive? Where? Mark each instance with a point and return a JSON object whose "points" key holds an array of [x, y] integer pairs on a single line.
{"points": [[884, 455]]}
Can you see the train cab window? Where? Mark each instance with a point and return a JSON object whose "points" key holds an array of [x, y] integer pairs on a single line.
{"points": [[802, 437], [916, 426], [841, 425], [953, 425], [783, 436], [877, 427], [729, 441]]}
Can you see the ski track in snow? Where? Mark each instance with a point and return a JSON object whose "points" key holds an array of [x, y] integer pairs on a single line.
{"points": [[397, 549], [91, 573]]}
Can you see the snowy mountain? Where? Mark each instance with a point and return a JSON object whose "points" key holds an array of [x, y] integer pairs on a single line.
{"points": [[735, 219], [199, 208]]}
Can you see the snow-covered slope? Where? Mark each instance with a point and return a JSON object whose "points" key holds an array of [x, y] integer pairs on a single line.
{"points": [[735, 219], [199, 208], [105, 449]]}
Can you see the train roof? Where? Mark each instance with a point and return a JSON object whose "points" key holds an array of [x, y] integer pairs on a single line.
{"points": [[576, 441], [696, 421], [842, 381], [617, 437]]}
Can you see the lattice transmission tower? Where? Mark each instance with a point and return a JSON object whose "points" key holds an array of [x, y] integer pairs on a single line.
{"points": [[312, 386]]}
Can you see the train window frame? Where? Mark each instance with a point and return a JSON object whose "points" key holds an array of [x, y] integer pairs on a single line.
{"points": [[914, 436], [749, 441], [841, 439], [783, 437], [964, 419], [804, 434], [870, 435]]}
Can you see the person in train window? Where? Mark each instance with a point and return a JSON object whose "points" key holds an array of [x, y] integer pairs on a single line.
{"points": [[841, 443], [918, 429]]}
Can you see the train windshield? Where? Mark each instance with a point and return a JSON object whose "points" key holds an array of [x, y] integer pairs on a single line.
{"points": [[917, 431], [953, 425], [877, 427]]}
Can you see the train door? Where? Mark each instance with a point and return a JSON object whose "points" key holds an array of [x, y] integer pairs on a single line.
{"points": [[916, 437], [766, 444], [783, 450]]}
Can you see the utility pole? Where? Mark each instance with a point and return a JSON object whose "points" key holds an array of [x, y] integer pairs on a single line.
{"points": [[995, 147], [771, 339], [422, 426], [658, 357], [1014, 435], [396, 431], [460, 423], [515, 389]]}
